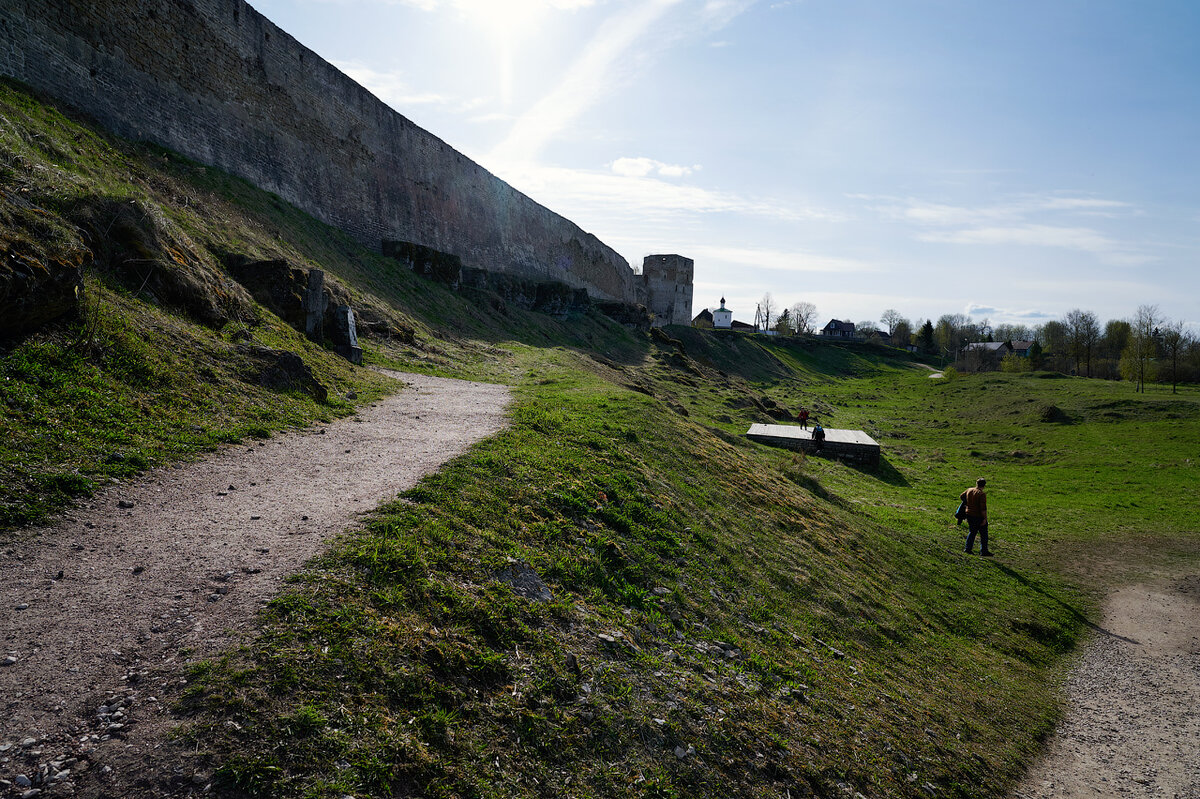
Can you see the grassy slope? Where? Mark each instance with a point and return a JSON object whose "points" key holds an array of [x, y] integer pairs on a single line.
{"points": [[784, 624], [127, 383]]}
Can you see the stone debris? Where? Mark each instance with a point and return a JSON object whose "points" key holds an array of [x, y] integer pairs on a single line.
{"points": [[524, 581]]}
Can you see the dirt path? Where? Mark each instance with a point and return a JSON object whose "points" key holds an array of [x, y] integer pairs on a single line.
{"points": [[96, 608], [1132, 726]]}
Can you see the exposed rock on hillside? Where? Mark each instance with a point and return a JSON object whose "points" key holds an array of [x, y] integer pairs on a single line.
{"points": [[41, 266], [146, 253], [279, 286], [498, 290], [280, 370], [634, 317], [548, 297]]}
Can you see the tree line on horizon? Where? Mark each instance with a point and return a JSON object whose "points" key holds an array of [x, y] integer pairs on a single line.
{"points": [[1147, 347]]}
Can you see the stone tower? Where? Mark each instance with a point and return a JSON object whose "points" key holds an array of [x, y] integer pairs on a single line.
{"points": [[666, 288]]}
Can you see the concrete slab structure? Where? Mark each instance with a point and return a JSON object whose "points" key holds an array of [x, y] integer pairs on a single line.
{"points": [[851, 445]]}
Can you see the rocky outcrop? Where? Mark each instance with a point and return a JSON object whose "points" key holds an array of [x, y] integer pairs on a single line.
{"points": [[41, 266], [543, 296], [280, 370], [281, 288], [139, 248], [633, 316], [498, 290]]}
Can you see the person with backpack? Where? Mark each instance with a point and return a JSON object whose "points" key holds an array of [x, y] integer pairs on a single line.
{"points": [[975, 502], [818, 436]]}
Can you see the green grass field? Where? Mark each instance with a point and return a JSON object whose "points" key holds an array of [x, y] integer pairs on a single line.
{"points": [[727, 619]]}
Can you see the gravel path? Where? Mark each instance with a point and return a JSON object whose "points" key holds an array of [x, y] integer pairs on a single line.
{"points": [[1132, 726], [97, 607]]}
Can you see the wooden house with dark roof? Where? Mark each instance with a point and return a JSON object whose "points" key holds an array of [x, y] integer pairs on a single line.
{"points": [[1021, 348], [836, 328]]}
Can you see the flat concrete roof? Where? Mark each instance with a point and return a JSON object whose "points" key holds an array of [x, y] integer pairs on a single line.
{"points": [[797, 433]]}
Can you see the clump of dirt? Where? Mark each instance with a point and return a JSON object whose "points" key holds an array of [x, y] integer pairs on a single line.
{"points": [[1051, 414]]}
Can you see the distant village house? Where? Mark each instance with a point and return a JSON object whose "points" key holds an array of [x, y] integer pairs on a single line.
{"points": [[838, 329]]}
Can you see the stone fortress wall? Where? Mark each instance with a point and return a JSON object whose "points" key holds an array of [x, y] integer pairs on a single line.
{"points": [[218, 82], [666, 288]]}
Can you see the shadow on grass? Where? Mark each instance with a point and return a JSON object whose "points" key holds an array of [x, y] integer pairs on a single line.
{"points": [[1074, 611], [811, 484], [883, 471]]}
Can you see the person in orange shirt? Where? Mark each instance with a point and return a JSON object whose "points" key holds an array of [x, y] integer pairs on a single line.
{"points": [[976, 502]]}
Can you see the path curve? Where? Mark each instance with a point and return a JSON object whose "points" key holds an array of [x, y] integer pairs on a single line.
{"points": [[1132, 724], [94, 609]]}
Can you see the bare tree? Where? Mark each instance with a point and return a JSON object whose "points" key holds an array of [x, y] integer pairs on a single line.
{"points": [[1176, 341], [804, 316], [1012, 332], [1137, 362], [891, 318], [1083, 331], [766, 307], [952, 332]]}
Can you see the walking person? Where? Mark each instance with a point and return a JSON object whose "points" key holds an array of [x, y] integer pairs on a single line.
{"points": [[818, 436], [803, 418], [975, 501]]}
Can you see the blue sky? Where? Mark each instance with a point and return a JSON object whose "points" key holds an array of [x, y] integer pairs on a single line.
{"points": [[1007, 160]]}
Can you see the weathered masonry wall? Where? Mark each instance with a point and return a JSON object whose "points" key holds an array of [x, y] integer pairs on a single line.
{"points": [[666, 288], [218, 82]]}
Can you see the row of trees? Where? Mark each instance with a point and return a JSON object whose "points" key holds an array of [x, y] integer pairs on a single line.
{"points": [[1144, 348], [799, 319]]}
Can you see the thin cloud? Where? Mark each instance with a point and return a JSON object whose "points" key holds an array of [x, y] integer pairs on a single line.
{"points": [[589, 78], [1083, 239], [987, 310], [641, 167], [1012, 222], [779, 260], [1015, 209], [495, 116], [585, 195], [390, 87], [611, 57], [1067, 238], [423, 5], [717, 14]]}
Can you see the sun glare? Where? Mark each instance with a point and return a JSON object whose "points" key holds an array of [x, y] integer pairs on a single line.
{"points": [[507, 23]]}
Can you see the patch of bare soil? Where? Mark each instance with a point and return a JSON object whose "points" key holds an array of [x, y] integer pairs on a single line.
{"points": [[1132, 724], [97, 607]]}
